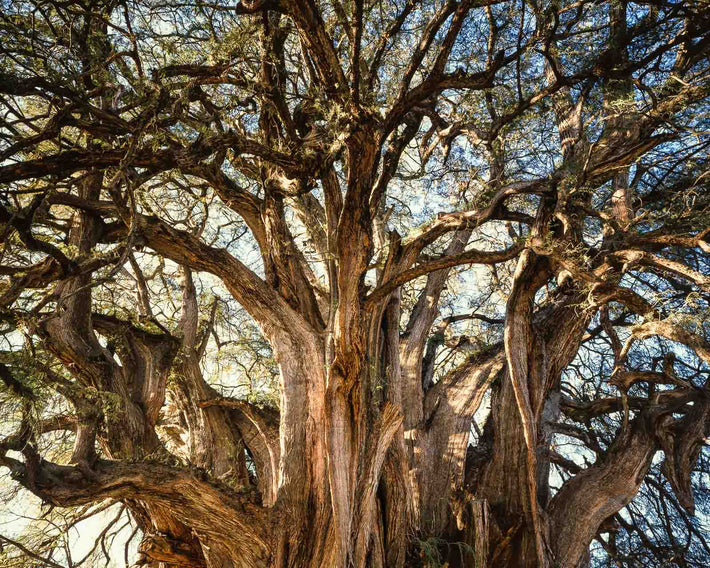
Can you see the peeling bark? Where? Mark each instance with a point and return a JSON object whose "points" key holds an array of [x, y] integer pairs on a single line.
{"points": [[296, 130]]}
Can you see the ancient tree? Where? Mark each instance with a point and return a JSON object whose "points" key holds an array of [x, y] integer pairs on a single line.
{"points": [[458, 249]]}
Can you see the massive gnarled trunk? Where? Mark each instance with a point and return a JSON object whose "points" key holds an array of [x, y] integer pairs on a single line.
{"points": [[308, 129]]}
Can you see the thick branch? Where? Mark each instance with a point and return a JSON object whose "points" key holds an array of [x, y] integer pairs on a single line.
{"points": [[211, 510]]}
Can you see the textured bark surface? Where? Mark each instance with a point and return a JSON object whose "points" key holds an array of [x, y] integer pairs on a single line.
{"points": [[550, 283]]}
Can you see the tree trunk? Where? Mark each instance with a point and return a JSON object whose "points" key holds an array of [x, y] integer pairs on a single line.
{"points": [[301, 123]]}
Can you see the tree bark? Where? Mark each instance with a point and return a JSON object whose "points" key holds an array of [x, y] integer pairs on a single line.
{"points": [[367, 461]]}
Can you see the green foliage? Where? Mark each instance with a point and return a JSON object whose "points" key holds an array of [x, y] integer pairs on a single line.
{"points": [[434, 552]]}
